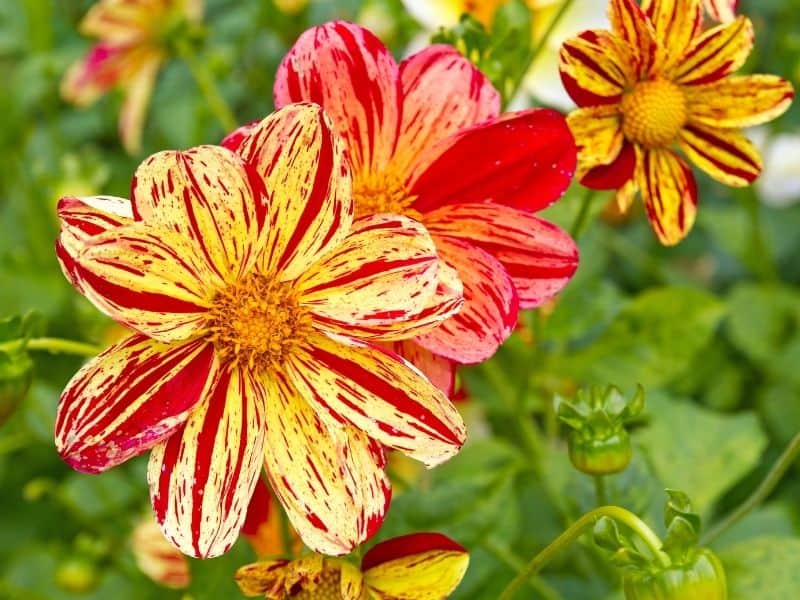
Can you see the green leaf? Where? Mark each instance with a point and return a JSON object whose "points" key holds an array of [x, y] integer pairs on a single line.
{"points": [[697, 450], [652, 340], [766, 568]]}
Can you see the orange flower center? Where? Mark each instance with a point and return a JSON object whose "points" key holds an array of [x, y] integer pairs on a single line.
{"points": [[257, 322], [653, 113], [327, 588], [382, 193]]}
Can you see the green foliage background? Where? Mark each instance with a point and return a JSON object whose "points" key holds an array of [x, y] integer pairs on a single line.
{"points": [[710, 328]]}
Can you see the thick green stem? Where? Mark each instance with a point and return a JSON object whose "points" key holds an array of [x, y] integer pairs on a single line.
{"points": [[60, 346], [760, 494], [208, 87], [575, 530], [539, 47], [582, 218], [600, 489]]}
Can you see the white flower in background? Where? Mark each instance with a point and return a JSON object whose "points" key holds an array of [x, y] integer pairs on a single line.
{"points": [[779, 184], [542, 80]]}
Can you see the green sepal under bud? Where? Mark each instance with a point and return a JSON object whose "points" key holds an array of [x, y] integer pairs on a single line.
{"points": [[599, 443], [701, 577], [623, 551], [16, 366]]}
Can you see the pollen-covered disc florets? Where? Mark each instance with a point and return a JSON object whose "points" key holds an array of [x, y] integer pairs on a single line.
{"points": [[382, 193], [258, 321], [653, 113], [327, 587]]}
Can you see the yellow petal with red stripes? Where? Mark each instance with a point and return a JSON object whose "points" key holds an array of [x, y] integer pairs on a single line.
{"points": [[329, 478], [676, 23], [630, 23], [307, 177], [715, 54], [598, 135], [418, 566], [739, 101], [595, 68], [201, 479], [378, 392], [725, 154]]}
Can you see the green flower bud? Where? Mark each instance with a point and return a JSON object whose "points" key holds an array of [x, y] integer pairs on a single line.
{"points": [[700, 578], [600, 456]]}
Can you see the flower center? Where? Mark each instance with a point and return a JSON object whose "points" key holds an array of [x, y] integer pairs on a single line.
{"points": [[257, 322], [382, 193], [653, 113], [328, 587]]}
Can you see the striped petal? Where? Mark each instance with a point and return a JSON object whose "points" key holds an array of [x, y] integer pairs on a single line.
{"points": [[303, 165], [201, 479], [598, 135], [717, 53], [490, 305], [138, 90], [539, 257], [530, 162], [103, 67], [442, 93], [382, 275], [349, 72], [595, 67], [208, 195], [415, 567], [676, 24], [127, 399], [725, 154], [736, 102], [723, 11], [151, 280], [379, 393], [330, 479], [439, 370], [119, 21], [669, 193], [630, 23]]}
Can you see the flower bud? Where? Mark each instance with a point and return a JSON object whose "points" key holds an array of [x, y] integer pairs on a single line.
{"points": [[700, 578], [600, 455], [77, 575]]}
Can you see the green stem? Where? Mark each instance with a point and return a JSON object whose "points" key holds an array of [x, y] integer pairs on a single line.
{"points": [[516, 564], [582, 218], [760, 494], [540, 46], [208, 87], [61, 346], [600, 489], [575, 530], [761, 259]]}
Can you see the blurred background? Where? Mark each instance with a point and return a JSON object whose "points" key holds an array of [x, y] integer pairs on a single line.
{"points": [[711, 328]]}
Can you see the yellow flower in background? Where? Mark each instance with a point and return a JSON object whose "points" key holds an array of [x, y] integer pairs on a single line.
{"points": [[129, 53], [419, 566], [541, 80], [657, 81]]}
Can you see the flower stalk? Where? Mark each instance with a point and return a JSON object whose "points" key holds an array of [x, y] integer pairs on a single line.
{"points": [[61, 346]]}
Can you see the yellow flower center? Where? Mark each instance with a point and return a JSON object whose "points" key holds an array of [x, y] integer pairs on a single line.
{"points": [[327, 588], [382, 193], [257, 322], [653, 113]]}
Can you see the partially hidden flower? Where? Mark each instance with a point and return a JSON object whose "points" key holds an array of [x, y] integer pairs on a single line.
{"points": [[426, 140], [779, 184], [262, 527], [158, 558], [129, 54], [658, 81], [418, 566], [258, 302]]}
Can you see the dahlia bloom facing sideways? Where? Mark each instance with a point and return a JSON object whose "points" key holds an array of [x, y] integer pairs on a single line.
{"points": [[129, 55], [258, 302], [657, 80], [426, 140], [419, 566]]}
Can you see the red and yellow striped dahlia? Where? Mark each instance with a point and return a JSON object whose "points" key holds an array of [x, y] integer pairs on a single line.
{"points": [[418, 566], [657, 81], [258, 301], [426, 140], [129, 54]]}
